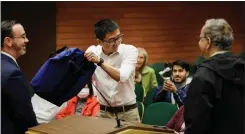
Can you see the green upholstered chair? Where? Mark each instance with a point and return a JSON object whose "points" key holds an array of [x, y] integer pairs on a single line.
{"points": [[193, 67], [140, 92], [159, 113], [157, 68], [149, 97], [140, 109]]}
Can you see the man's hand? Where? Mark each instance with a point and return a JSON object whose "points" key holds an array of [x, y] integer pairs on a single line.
{"points": [[91, 57], [169, 86]]}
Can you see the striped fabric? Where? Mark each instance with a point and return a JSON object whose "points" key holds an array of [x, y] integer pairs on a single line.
{"points": [[177, 120]]}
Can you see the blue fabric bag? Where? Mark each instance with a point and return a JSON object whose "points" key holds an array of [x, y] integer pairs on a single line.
{"points": [[63, 76]]}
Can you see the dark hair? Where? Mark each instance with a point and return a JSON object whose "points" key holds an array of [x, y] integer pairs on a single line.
{"points": [[103, 27], [181, 63], [6, 28]]}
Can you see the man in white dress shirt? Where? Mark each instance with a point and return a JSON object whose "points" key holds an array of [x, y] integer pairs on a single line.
{"points": [[114, 76]]}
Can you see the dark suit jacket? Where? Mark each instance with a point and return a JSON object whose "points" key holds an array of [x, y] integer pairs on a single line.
{"points": [[17, 112]]}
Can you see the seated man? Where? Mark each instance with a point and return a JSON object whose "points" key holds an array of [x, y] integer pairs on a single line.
{"points": [[174, 89], [84, 104]]}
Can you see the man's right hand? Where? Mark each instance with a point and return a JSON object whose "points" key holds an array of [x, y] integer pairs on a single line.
{"points": [[91, 57], [169, 86]]}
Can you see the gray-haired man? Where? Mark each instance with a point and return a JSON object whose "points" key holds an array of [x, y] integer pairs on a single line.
{"points": [[215, 99]]}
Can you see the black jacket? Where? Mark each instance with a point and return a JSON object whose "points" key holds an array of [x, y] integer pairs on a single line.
{"points": [[215, 99], [17, 114]]}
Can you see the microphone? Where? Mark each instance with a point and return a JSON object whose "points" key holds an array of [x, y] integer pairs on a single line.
{"points": [[114, 111]]}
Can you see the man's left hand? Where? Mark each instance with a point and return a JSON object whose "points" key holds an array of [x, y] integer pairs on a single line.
{"points": [[92, 57]]}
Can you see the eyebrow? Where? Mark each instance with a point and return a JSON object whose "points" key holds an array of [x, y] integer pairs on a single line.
{"points": [[113, 38]]}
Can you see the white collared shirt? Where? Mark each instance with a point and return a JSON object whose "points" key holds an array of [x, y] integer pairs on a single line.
{"points": [[116, 93], [10, 57]]}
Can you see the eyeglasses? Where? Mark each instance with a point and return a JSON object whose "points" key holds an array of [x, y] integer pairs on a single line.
{"points": [[114, 41], [24, 37], [207, 38], [203, 37]]}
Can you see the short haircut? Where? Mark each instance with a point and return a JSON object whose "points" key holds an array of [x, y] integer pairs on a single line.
{"points": [[6, 28], [182, 64], [220, 33], [102, 27]]}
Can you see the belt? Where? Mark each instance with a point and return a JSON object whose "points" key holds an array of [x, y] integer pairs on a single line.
{"points": [[118, 109]]}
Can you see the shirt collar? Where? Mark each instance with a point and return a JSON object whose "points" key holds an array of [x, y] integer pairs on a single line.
{"points": [[10, 57], [219, 52], [119, 50], [187, 81]]}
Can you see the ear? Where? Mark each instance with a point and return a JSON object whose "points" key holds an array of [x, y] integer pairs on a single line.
{"points": [[187, 74], [99, 41], [208, 44], [8, 41]]}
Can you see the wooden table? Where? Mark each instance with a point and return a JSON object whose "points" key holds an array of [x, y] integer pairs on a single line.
{"points": [[93, 125]]}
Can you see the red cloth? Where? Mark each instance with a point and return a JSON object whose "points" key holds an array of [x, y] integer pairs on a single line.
{"points": [[90, 108], [177, 120]]}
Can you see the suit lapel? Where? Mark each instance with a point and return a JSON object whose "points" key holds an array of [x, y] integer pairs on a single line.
{"points": [[7, 58]]}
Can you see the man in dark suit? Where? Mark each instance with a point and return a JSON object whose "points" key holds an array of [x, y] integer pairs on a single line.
{"points": [[17, 111]]}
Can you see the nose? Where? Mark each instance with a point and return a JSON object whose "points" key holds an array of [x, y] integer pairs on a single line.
{"points": [[177, 73], [138, 59], [116, 43], [26, 40]]}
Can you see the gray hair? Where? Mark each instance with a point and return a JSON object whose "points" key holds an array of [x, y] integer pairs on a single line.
{"points": [[220, 33]]}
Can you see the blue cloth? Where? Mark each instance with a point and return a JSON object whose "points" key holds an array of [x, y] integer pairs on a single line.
{"points": [[16, 109], [63, 76]]}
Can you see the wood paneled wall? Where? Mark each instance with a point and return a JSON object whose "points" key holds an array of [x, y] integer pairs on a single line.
{"points": [[167, 30]]}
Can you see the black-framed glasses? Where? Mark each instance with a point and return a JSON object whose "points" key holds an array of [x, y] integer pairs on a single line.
{"points": [[23, 37], [115, 40]]}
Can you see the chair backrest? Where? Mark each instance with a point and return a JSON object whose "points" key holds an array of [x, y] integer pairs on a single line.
{"points": [[157, 68], [140, 109], [140, 92], [149, 97], [159, 113], [193, 67]]}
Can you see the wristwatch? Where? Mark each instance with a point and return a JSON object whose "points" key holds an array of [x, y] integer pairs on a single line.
{"points": [[100, 62]]}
